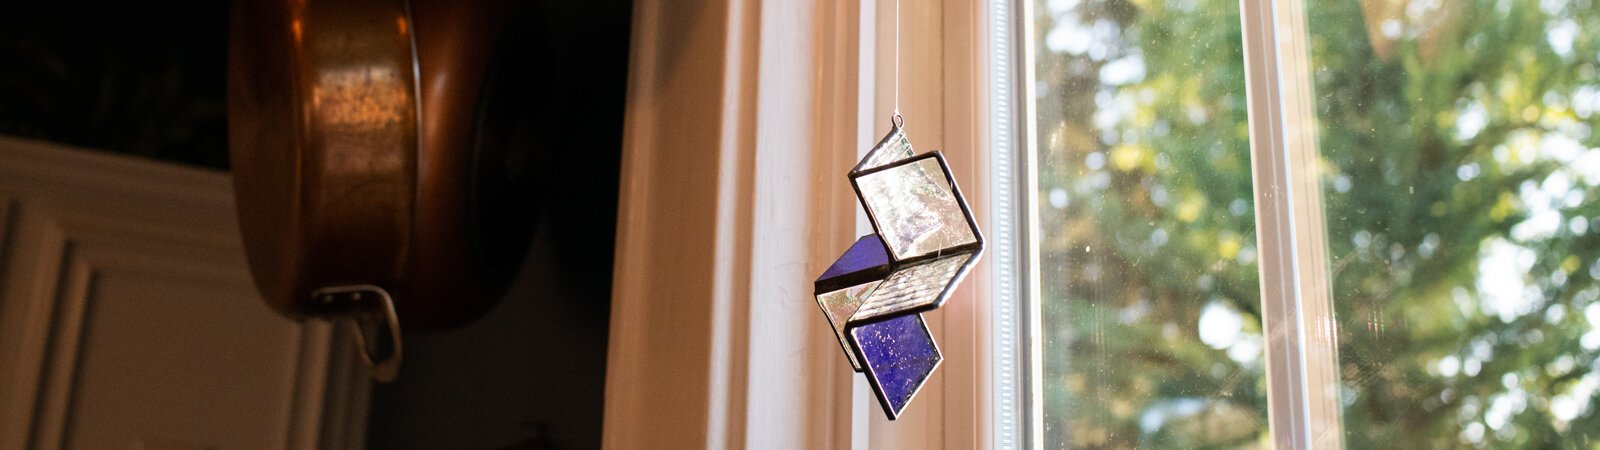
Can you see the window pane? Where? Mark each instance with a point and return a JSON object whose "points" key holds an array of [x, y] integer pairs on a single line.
{"points": [[1459, 183], [1151, 327]]}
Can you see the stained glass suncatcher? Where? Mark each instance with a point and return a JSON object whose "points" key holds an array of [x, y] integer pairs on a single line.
{"points": [[925, 240]]}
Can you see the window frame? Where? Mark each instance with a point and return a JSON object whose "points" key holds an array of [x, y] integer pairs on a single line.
{"points": [[1296, 294], [1018, 349]]}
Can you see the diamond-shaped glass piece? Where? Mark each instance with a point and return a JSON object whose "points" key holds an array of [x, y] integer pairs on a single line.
{"points": [[915, 288], [838, 306], [914, 207], [866, 260], [899, 355]]}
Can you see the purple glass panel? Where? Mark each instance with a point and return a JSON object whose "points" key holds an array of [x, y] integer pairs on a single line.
{"points": [[899, 355], [868, 252]]}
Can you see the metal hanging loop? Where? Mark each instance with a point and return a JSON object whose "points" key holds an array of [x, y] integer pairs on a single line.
{"points": [[377, 327]]}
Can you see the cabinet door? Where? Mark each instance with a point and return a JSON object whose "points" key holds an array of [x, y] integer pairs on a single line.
{"points": [[128, 318]]}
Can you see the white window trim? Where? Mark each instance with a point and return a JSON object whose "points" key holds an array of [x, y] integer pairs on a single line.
{"points": [[1018, 413], [1296, 296]]}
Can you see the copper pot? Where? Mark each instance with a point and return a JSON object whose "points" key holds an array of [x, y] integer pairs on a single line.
{"points": [[354, 136]]}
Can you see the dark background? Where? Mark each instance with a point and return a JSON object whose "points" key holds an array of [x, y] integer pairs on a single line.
{"points": [[147, 78], [140, 77]]}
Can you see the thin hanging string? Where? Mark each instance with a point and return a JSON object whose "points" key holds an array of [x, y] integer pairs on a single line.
{"points": [[897, 58]]}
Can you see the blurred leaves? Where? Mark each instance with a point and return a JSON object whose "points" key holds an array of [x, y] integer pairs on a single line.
{"points": [[1142, 123], [1460, 181]]}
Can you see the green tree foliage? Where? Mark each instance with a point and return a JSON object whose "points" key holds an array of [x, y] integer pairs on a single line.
{"points": [[1461, 187]]}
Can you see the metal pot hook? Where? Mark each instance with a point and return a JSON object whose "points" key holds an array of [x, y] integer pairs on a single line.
{"points": [[373, 313]]}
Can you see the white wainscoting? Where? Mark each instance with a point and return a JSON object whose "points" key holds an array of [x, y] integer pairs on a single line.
{"points": [[128, 318]]}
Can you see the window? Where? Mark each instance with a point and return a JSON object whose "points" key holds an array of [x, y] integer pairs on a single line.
{"points": [[1151, 333], [1331, 223]]}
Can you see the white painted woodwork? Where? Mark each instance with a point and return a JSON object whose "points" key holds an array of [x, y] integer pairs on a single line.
{"points": [[733, 197], [128, 318], [1296, 288]]}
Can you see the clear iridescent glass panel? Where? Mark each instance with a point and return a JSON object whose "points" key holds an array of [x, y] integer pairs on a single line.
{"points": [[915, 210], [839, 306], [915, 288]]}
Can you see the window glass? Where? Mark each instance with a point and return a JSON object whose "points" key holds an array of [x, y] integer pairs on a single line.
{"points": [[1460, 175], [1150, 300]]}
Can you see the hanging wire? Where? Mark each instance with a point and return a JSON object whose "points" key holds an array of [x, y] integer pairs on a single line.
{"points": [[897, 58]]}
